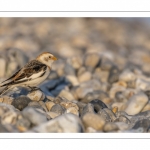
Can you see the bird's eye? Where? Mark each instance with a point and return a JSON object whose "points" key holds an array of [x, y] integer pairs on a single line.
{"points": [[49, 56]]}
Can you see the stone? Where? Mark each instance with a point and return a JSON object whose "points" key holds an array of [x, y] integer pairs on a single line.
{"points": [[36, 95], [91, 60], [23, 124], [86, 76], [2, 67], [3, 129], [58, 109], [9, 117], [53, 114], [90, 130], [120, 105], [34, 116], [113, 75], [67, 95], [123, 118], [136, 103], [127, 76], [89, 108], [69, 70], [76, 62], [98, 94], [98, 105], [107, 115], [69, 104], [147, 107], [35, 104], [119, 96], [122, 126], [49, 105], [106, 64], [67, 123], [142, 84], [145, 124], [110, 127], [6, 99], [93, 120], [73, 80], [43, 105], [21, 102], [72, 110]]}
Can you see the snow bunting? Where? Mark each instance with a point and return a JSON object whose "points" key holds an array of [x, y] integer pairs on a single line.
{"points": [[32, 74]]}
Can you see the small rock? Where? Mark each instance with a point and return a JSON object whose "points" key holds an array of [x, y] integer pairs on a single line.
{"points": [[34, 116], [58, 109], [145, 124], [3, 129], [98, 105], [6, 99], [91, 60], [67, 123], [53, 114], [69, 70], [113, 75], [93, 120], [127, 76], [136, 103], [107, 115], [21, 102], [123, 118], [67, 95], [2, 67], [69, 104], [36, 95], [49, 105], [73, 79], [122, 126], [90, 130], [72, 110], [110, 126], [87, 109], [86, 76], [43, 105]]}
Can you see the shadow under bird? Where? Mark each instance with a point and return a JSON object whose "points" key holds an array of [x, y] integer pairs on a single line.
{"points": [[32, 74]]}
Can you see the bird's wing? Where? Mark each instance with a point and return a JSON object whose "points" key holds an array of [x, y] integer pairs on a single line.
{"points": [[32, 70]]}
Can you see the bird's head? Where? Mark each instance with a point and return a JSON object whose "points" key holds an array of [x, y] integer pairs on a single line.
{"points": [[46, 58]]}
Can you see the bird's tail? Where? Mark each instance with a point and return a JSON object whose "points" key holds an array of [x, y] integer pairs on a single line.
{"points": [[4, 90]]}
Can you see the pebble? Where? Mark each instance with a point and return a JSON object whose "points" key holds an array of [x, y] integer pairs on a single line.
{"points": [[98, 105], [72, 79], [2, 67], [58, 109], [49, 105], [21, 102], [34, 116], [67, 123], [6, 99], [127, 76], [72, 110], [67, 95], [91, 60], [136, 103], [86, 76], [36, 95], [93, 120], [145, 124], [110, 127], [89, 108], [107, 115], [113, 75], [53, 114]]}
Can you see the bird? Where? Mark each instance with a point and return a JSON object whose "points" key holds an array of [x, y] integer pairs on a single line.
{"points": [[32, 74]]}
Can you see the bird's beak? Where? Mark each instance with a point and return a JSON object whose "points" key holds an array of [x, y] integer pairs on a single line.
{"points": [[54, 58]]}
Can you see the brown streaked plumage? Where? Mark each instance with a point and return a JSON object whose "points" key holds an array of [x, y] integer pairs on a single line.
{"points": [[32, 74]]}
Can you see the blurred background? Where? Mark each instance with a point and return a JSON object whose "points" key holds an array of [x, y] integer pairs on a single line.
{"points": [[87, 48]]}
